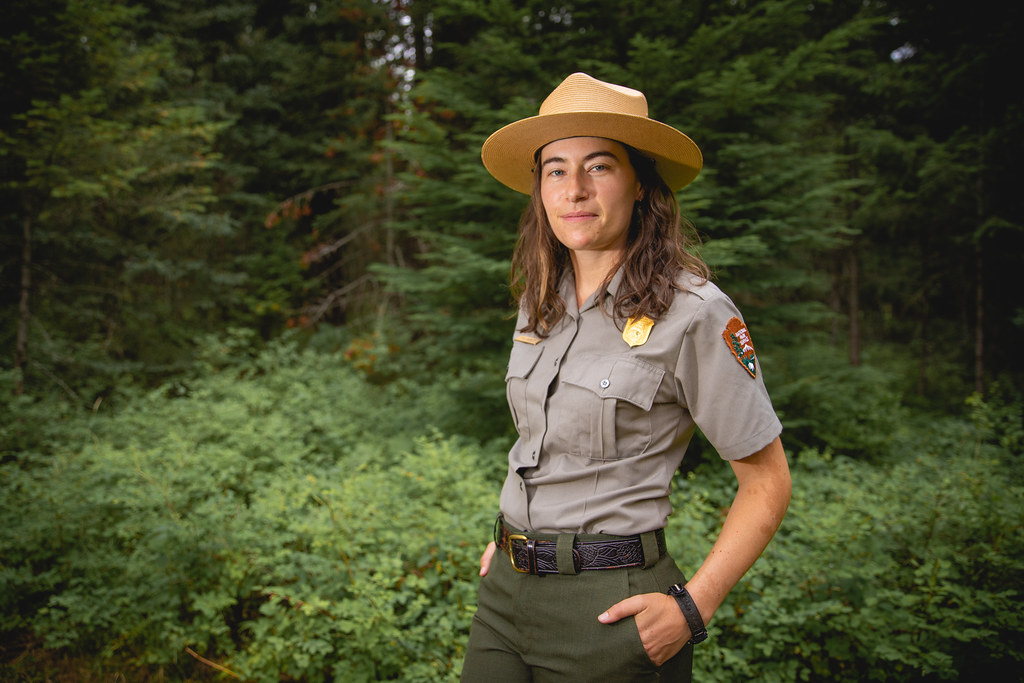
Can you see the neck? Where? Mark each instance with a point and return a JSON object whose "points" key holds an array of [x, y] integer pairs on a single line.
{"points": [[591, 268]]}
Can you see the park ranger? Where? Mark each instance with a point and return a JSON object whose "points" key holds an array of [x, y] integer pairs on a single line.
{"points": [[621, 349]]}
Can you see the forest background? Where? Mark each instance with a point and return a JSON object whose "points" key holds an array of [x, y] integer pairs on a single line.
{"points": [[255, 314]]}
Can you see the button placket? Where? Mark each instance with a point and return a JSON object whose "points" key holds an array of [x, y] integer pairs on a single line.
{"points": [[558, 344]]}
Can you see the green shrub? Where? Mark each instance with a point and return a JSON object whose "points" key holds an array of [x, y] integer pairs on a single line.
{"points": [[904, 571], [827, 404], [286, 519], [286, 524]]}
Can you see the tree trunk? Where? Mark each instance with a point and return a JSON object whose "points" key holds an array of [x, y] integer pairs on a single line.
{"points": [[393, 255], [922, 364], [854, 285], [835, 300], [979, 272], [979, 320], [24, 311], [419, 12]]}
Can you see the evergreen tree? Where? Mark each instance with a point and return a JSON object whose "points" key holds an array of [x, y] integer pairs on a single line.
{"points": [[962, 126], [109, 182], [181, 167], [304, 86], [825, 202]]}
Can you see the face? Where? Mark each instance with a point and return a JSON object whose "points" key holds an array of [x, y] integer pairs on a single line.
{"points": [[588, 188]]}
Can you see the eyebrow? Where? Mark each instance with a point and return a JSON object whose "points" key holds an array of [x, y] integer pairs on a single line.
{"points": [[592, 155]]}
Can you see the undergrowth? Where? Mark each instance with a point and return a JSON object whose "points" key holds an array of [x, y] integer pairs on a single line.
{"points": [[282, 518]]}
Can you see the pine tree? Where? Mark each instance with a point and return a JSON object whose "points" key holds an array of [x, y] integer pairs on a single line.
{"points": [[113, 185]]}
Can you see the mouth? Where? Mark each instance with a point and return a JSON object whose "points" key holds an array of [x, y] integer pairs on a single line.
{"points": [[577, 215]]}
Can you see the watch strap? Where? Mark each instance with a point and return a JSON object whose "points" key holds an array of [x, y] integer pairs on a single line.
{"points": [[698, 633]]}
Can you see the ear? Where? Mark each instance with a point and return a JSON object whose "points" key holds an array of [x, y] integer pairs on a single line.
{"points": [[639, 192]]}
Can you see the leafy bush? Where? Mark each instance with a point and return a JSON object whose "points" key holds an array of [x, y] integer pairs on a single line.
{"points": [[904, 571], [827, 404], [285, 519], [287, 524]]}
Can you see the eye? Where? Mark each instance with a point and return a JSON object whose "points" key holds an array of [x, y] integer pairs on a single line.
{"points": [[598, 168]]}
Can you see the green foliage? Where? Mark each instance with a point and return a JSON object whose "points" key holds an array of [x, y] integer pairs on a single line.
{"points": [[182, 168], [905, 571], [827, 404], [455, 295], [999, 419], [193, 179], [284, 518], [109, 178], [830, 177], [143, 159]]}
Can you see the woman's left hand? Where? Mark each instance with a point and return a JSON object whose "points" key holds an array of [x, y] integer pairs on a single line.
{"points": [[663, 629], [761, 500]]}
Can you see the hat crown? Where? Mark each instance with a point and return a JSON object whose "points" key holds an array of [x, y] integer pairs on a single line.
{"points": [[580, 92]]}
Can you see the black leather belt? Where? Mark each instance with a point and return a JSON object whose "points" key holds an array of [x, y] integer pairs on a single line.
{"points": [[532, 554]]}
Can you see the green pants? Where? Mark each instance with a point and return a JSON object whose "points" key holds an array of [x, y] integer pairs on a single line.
{"points": [[545, 628]]}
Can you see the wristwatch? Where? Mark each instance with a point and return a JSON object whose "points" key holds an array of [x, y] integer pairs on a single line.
{"points": [[698, 634]]}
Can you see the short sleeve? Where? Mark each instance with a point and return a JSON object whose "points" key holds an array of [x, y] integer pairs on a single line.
{"points": [[721, 381]]}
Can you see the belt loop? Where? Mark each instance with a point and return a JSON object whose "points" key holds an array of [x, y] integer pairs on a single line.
{"points": [[564, 555], [531, 555], [649, 543], [499, 531]]}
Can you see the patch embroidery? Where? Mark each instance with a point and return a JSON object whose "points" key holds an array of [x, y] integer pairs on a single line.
{"points": [[738, 339], [527, 339], [637, 331]]}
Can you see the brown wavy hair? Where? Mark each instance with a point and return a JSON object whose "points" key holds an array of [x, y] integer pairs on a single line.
{"points": [[656, 252]]}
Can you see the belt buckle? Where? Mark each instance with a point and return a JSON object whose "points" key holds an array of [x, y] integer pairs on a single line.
{"points": [[509, 539]]}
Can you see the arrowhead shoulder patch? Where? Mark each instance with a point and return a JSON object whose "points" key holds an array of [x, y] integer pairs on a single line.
{"points": [[738, 339]]}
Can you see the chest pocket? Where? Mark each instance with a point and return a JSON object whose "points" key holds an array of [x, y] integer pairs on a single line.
{"points": [[521, 363], [613, 409]]}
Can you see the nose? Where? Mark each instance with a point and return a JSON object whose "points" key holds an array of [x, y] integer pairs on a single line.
{"points": [[578, 187]]}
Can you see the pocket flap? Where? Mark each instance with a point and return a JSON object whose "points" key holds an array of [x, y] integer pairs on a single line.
{"points": [[522, 360], [625, 379]]}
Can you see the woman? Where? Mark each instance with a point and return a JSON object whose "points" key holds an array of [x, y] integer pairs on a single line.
{"points": [[621, 349]]}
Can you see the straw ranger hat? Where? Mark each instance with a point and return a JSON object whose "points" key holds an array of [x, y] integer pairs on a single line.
{"points": [[582, 106]]}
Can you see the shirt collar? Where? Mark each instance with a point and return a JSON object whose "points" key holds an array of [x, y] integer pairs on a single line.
{"points": [[613, 284], [567, 290]]}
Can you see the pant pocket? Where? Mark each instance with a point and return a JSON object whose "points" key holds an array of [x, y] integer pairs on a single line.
{"points": [[618, 650]]}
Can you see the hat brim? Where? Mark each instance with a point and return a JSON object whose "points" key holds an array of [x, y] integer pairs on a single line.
{"points": [[508, 154]]}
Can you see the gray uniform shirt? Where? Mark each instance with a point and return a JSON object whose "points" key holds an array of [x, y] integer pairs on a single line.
{"points": [[604, 425]]}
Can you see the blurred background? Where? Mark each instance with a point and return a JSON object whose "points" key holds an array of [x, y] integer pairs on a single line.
{"points": [[255, 320]]}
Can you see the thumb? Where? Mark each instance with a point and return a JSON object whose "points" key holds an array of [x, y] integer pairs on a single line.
{"points": [[622, 609]]}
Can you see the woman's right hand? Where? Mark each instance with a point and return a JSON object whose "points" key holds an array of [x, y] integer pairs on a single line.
{"points": [[485, 559]]}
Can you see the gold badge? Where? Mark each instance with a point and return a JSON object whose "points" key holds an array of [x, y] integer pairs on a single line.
{"points": [[637, 331]]}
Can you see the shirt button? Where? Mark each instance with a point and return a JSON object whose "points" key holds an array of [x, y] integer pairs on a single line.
{"points": [[605, 383]]}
